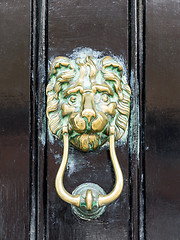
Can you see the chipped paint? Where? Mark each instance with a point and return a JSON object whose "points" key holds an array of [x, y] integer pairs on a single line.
{"points": [[134, 134]]}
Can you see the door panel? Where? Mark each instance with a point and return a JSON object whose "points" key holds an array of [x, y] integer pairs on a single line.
{"points": [[102, 27], [162, 120], [14, 114]]}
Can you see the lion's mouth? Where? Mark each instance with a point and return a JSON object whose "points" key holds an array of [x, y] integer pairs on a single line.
{"points": [[87, 142], [81, 125]]}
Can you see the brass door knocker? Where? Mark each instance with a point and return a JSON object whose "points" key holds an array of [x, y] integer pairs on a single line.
{"points": [[88, 103]]}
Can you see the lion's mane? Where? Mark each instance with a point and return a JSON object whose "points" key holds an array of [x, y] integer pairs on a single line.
{"points": [[62, 71]]}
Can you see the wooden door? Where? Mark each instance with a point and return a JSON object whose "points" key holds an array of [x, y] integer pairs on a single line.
{"points": [[146, 35]]}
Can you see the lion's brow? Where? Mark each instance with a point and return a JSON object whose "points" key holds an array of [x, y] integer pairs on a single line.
{"points": [[73, 89], [103, 88]]}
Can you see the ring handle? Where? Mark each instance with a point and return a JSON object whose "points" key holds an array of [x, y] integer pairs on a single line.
{"points": [[102, 199], [115, 193], [64, 195]]}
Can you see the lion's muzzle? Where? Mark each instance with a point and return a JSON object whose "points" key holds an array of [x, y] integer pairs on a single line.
{"points": [[88, 119], [88, 106], [81, 125]]}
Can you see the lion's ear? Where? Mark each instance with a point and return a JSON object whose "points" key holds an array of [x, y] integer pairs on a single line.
{"points": [[59, 62], [109, 61], [61, 71], [113, 72]]}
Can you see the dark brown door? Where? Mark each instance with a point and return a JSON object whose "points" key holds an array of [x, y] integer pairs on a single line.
{"points": [[146, 35]]}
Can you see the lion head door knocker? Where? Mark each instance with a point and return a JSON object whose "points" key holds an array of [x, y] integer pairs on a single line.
{"points": [[88, 103]]}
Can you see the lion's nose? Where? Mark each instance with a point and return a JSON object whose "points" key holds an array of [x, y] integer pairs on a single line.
{"points": [[89, 114], [88, 106]]}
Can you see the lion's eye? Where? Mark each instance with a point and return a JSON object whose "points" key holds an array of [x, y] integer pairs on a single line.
{"points": [[105, 98], [72, 100]]}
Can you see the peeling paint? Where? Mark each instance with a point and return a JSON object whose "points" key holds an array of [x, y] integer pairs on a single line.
{"points": [[50, 136], [134, 142], [83, 52]]}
